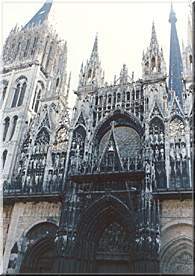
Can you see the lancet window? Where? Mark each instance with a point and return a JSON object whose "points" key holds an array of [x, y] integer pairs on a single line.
{"points": [[179, 161]]}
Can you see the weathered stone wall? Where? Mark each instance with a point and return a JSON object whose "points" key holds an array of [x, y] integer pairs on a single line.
{"points": [[176, 236], [7, 211], [24, 216]]}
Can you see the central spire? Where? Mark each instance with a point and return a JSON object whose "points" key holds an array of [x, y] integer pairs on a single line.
{"points": [[175, 61], [41, 15]]}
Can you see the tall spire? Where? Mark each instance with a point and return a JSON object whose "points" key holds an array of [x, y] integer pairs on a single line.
{"points": [[41, 15], [175, 60]]}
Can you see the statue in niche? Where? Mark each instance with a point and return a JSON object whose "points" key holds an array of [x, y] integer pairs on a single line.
{"points": [[161, 156], [156, 153], [161, 137], [172, 152], [183, 152]]}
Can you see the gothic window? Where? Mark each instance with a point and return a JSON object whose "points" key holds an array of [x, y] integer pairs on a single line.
{"points": [[94, 118], [176, 128], [118, 97], [109, 99], [96, 100], [37, 96], [4, 85], [153, 63], [37, 101], [4, 157], [34, 45], [13, 126], [22, 93], [18, 49], [19, 92], [159, 64], [89, 73], [78, 142], [27, 47], [100, 100], [128, 96], [156, 127], [190, 58], [6, 127], [57, 82], [128, 148], [133, 95], [179, 174], [147, 64], [16, 94], [49, 56], [157, 153]]}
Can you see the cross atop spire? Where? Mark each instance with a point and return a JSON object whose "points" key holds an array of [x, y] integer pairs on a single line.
{"points": [[41, 15]]}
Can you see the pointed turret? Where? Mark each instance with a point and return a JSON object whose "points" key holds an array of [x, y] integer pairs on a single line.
{"points": [[175, 61], [153, 41], [41, 15], [153, 64], [92, 73]]}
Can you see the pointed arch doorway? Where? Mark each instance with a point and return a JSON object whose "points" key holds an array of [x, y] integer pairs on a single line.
{"points": [[104, 237], [39, 249], [39, 258]]}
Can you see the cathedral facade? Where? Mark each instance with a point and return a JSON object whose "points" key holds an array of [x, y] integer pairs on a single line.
{"points": [[111, 189]]}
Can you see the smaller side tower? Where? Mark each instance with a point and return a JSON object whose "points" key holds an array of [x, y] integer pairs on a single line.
{"points": [[153, 64]]}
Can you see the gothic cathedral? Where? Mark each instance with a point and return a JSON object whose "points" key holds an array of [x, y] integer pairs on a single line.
{"points": [[109, 190]]}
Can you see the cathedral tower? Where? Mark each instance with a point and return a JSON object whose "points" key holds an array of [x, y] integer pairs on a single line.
{"points": [[34, 61]]}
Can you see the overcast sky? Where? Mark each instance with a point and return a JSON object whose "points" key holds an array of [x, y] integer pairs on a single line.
{"points": [[123, 27]]}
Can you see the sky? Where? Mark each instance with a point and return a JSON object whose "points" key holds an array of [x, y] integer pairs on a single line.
{"points": [[123, 27]]}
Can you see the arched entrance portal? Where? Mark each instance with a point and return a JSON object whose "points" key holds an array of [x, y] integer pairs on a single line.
{"points": [[39, 258], [40, 249], [104, 237]]}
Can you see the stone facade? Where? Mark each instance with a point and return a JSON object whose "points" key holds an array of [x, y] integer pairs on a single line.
{"points": [[176, 236], [117, 175], [22, 217]]}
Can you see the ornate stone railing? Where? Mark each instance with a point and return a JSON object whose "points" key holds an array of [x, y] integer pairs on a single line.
{"points": [[16, 189], [127, 165]]}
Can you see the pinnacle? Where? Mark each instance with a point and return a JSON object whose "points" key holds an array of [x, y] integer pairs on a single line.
{"points": [[95, 47], [153, 37]]}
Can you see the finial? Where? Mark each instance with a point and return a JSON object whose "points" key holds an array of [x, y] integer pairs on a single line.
{"points": [[153, 36], [95, 46]]}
